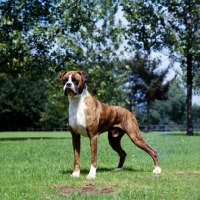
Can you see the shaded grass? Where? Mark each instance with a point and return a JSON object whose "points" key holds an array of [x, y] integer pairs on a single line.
{"points": [[32, 135], [35, 168]]}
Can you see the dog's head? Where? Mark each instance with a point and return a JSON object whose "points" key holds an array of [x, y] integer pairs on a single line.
{"points": [[73, 82]]}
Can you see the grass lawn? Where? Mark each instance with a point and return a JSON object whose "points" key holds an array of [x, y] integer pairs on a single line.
{"points": [[37, 165]]}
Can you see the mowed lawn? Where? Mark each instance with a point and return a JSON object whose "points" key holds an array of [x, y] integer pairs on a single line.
{"points": [[37, 165]]}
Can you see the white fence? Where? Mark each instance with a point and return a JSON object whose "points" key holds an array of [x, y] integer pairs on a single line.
{"points": [[48, 129], [167, 128], [144, 128]]}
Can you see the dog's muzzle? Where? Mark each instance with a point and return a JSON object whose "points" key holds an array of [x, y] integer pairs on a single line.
{"points": [[68, 89]]}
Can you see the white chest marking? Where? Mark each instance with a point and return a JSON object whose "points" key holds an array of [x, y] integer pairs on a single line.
{"points": [[77, 119]]}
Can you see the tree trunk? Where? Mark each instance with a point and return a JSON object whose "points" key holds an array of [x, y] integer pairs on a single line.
{"points": [[189, 95], [148, 116], [189, 28], [131, 108]]}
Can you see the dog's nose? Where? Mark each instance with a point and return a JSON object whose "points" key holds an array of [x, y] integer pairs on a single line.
{"points": [[69, 84]]}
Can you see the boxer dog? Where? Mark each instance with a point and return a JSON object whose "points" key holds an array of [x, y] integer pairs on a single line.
{"points": [[89, 117]]}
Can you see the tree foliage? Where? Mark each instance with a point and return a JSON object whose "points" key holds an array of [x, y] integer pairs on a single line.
{"points": [[42, 38], [146, 81], [171, 25], [171, 112], [39, 39], [23, 37], [185, 28], [21, 102]]}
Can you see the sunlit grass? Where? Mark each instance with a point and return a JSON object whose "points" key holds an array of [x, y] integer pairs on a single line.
{"points": [[33, 167]]}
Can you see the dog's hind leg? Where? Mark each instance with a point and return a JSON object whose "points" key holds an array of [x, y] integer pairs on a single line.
{"points": [[139, 141], [115, 142]]}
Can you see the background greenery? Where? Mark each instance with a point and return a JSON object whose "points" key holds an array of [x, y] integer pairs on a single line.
{"points": [[38, 166], [39, 39]]}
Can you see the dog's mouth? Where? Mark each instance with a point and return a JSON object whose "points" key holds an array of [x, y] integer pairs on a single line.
{"points": [[69, 91]]}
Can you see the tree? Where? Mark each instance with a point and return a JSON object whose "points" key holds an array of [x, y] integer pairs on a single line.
{"points": [[196, 113], [173, 111], [147, 81], [170, 24], [170, 112], [21, 102], [87, 38], [24, 36], [186, 17], [24, 45], [42, 38]]}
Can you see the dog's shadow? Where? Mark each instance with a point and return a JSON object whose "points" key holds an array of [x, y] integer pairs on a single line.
{"points": [[104, 169]]}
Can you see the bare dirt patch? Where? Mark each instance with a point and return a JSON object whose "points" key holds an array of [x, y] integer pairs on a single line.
{"points": [[88, 188]]}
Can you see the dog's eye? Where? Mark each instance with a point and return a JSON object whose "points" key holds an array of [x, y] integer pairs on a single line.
{"points": [[65, 80], [76, 81]]}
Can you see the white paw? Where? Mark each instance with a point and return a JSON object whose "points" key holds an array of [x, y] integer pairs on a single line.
{"points": [[118, 169], [92, 173], [76, 174], [157, 170], [91, 176]]}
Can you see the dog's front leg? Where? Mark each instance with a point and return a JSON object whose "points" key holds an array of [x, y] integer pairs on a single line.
{"points": [[93, 146], [76, 146]]}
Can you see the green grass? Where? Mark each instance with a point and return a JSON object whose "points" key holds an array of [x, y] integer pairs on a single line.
{"points": [[37, 165]]}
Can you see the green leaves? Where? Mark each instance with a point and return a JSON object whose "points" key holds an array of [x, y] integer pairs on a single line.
{"points": [[21, 101], [39, 39], [42, 38], [147, 81], [171, 25], [145, 25]]}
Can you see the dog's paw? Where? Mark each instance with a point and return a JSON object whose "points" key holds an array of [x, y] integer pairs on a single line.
{"points": [[118, 169], [91, 176], [76, 174], [157, 170], [92, 173]]}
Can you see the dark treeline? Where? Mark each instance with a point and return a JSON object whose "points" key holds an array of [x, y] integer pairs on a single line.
{"points": [[39, 39]]}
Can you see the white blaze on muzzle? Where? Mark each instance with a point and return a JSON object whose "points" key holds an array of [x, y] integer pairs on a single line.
{"points": [[69, 84]]}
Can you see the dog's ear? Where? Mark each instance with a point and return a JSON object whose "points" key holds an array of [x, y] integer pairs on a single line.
{"points": [[84, 76], [61, 76]]}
